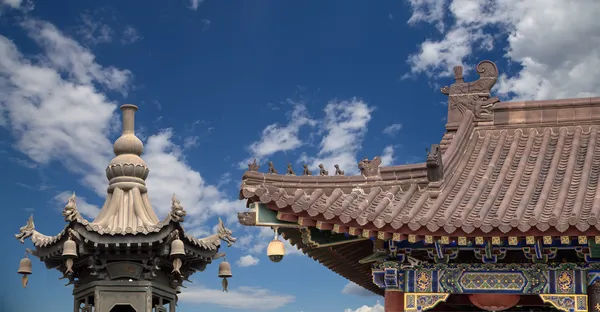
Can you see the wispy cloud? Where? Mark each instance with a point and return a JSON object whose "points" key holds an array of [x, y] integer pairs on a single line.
{"points": [[353, 289], [130, 35], [392, 129], [244, 297], [247, 260], [280, 138]]}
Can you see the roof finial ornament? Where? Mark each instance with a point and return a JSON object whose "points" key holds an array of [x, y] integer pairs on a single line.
{"points": [[253, 166], [369, 168], [472, 96], [338, 171], [26, 231], [458, 74], [177, 213], [305, 170], [272, 169], [435, 167], [322, 170], [290, 170], [70, 211], [225, 234]]}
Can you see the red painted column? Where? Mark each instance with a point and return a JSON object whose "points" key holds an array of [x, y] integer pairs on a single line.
{"points": [[394, 301]]}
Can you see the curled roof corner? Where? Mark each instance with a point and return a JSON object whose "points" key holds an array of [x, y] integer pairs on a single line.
{"points": [[38, 239], [213, 242]]}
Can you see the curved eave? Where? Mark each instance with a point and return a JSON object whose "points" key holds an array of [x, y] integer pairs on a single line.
{"points": [[341, 259]]}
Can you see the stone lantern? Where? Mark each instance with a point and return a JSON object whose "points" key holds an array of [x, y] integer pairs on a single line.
{"points": [[126, 257]]}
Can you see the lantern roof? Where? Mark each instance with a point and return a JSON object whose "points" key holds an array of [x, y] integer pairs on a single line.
{"points": [[127, 215]]}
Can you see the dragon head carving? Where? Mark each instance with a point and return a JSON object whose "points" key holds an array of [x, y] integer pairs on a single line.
{"points": [[369, 168], [225, 234], [247, 218], [26, 231]]}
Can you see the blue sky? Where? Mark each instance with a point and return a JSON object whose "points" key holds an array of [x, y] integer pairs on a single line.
{"points": [[222, 82]]}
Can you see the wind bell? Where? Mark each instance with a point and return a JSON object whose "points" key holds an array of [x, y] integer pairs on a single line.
{"points": [[177, 251], [225, 272], [69, 252], [25, 270]]}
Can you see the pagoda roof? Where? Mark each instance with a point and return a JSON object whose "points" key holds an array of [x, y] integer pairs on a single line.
{"points": [[127, 215], [502, 168]]}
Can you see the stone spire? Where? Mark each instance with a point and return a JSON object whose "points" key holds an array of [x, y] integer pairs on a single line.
{"points": [[127, 208]]}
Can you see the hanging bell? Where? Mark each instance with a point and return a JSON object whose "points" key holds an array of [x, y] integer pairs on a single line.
{"points": [[225, 269], [69, 249], [25, 266], [25, 270], [177, 247]]}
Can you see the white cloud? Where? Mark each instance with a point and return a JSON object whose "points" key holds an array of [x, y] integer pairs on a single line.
{"points": [[86, 209], [247, 298], [23, 5], [387, 158], [247, 260], [130, 35], [345, 125], [93, 30], [559, 54], [194, 4], [353, 289], [430, 11], [392, 129], [280, 138], [53, 107], [376, 308]]}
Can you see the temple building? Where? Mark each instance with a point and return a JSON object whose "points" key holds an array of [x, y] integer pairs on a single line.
{"points": [[503, 214], [127, 259]]}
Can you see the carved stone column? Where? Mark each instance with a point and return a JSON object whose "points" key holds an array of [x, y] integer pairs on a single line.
{"points": [[593, 292], [394, 300]]}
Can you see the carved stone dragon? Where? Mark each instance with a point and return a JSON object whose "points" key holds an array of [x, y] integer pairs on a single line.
{"points": [[225, 234], [70, 211], [247, 218], [177, 213], [28, 230], [369, 168], [473, 96]]}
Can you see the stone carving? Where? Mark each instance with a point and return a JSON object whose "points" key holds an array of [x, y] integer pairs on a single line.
{"points": [[177, 213], [305, 170], [435, 167], [272, 169], [338, 171], [473, 96], [253, 166], [70, 212], [369, 168], [290, 170], [247, 218], [225, 234], [322, 170], [27, 231]]}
